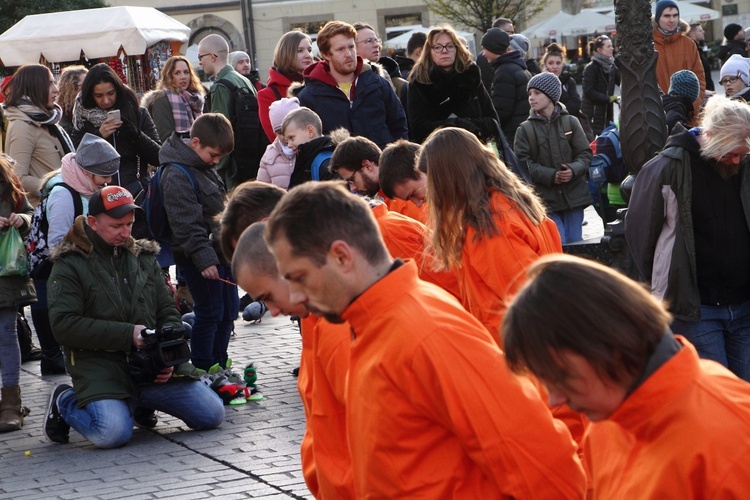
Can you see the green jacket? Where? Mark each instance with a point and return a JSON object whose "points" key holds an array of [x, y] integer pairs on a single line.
{"points": [[219, 100], [97, 293], [556, 143], [16, 290]]}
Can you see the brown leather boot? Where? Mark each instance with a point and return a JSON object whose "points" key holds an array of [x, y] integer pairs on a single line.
{"points": [[11, 411]]}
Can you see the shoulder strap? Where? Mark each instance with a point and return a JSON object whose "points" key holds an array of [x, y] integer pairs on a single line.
{"points": [[317, 162], [77, 203], [531, 135], [229, 85], [276, 91]]}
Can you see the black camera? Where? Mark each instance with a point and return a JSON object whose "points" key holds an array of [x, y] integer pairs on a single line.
{"points": [[164, 347]]}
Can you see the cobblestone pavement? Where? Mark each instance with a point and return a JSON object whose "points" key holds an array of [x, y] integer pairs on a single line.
{"points": [[254, 454]]}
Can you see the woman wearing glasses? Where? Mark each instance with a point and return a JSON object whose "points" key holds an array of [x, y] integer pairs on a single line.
{"points": [[446, 90], [735, 77], [599, 79]]}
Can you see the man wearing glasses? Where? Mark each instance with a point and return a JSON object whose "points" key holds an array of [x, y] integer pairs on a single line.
{"points": [[345, 92], [243, 163], [688, 231]]}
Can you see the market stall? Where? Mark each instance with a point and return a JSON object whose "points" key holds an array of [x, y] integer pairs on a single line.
{"points": [[134, 41]]}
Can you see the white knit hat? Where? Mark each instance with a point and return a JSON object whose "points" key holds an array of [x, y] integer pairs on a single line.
{"points": [[737, 65]]}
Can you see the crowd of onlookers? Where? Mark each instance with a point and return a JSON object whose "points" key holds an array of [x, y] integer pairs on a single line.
{"points": [[441, 328]]}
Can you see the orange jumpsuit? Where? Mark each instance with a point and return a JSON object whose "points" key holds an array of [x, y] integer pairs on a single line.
{"points": [[492, 269], [433, 411], [684, 433], [326, 465], [405, 239]]}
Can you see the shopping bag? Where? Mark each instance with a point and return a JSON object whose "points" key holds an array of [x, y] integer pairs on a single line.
{"points": [[13, 261]]}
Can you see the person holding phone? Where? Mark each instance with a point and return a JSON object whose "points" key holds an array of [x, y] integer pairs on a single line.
{"points": [[108, 108]]}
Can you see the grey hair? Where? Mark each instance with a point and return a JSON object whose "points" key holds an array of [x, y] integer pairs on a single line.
{"points": [[726, 126]]}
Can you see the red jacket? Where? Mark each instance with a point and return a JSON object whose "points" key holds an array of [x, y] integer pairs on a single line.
{"points": [[684, 433], [326, 465], [267, 96], [405, 239], [433, 411], [492, 269]]}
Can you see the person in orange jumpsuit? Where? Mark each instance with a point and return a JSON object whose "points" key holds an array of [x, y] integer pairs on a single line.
{"points": [[405, 238], [665, 424], [356, 159], [486, 223], [431, 409], [324, 363]]}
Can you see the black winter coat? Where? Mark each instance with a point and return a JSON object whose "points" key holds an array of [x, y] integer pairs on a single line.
{"points": [[731, 48], [509, 94], [570, 96], [678, 109], [598, 85], [451, 100]]}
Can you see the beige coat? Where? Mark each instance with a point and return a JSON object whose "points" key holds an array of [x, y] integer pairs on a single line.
{"points": [[35, 150]]}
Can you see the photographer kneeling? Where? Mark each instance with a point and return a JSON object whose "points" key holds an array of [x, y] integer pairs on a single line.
{"points": [[105, 289]]}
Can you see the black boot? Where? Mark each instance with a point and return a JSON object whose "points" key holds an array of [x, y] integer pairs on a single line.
{"points": [[53, 362]]}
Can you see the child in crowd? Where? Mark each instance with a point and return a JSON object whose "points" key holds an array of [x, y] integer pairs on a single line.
{"points": [[193, 195], [684, 89], [303, 132], [558, 154], [277, 164], [735, 77]]}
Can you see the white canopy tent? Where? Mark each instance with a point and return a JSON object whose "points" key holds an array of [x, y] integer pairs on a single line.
{"points": [[62, 36], [563, 24]]}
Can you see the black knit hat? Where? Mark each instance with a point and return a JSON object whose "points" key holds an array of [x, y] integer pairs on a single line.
{"points": [[548, 84], [663, 4], [496, 41], [731, 30]]}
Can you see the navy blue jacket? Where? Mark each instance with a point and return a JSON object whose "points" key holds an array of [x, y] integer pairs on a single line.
{"points": [[374, 111]]}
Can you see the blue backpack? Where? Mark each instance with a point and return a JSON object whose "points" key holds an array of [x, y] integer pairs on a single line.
{"points": [[156, 214], [608, 156], [318, 170]]}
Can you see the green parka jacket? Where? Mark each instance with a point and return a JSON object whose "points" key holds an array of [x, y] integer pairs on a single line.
{"points": [[557, 140], [97, 293]]}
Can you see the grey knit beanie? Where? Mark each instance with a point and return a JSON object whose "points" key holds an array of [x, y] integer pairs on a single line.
{"points": [[548, 84], [96, 156]]}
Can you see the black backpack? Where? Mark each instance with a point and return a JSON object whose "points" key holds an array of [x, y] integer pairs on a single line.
{"points": [[250, 141], [37, 249]]}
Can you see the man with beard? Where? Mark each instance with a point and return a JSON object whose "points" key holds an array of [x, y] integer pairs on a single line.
{"points": [[356, 160], [687, 228], [407, 413], [345, 92]]}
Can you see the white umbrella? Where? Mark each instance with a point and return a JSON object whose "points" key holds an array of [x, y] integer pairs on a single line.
{"points": [[61, 36]]}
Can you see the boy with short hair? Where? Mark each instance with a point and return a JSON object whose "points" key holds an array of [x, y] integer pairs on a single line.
{"points": [[303, 132], [558, 155], [193, 195]]}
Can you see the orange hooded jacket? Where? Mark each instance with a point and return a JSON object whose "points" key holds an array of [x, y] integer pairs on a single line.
{"points": [[434, 412]]}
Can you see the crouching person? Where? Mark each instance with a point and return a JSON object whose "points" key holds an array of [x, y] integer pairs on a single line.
{"points": [[104, 290]]}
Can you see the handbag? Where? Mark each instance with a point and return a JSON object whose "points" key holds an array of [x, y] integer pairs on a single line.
{"points": [[13, 261]]}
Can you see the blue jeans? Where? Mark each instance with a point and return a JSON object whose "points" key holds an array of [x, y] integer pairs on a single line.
{"points": [[108, 423], [216, 306], [569, 224], [10, 353], [722, 334]]}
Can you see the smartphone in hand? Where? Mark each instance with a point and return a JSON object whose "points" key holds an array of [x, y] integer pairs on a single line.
{"points": [[114, 114]]}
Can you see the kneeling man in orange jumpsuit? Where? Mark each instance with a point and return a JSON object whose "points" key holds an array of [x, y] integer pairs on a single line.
{"points": [[665, 424], [432, 410]]}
